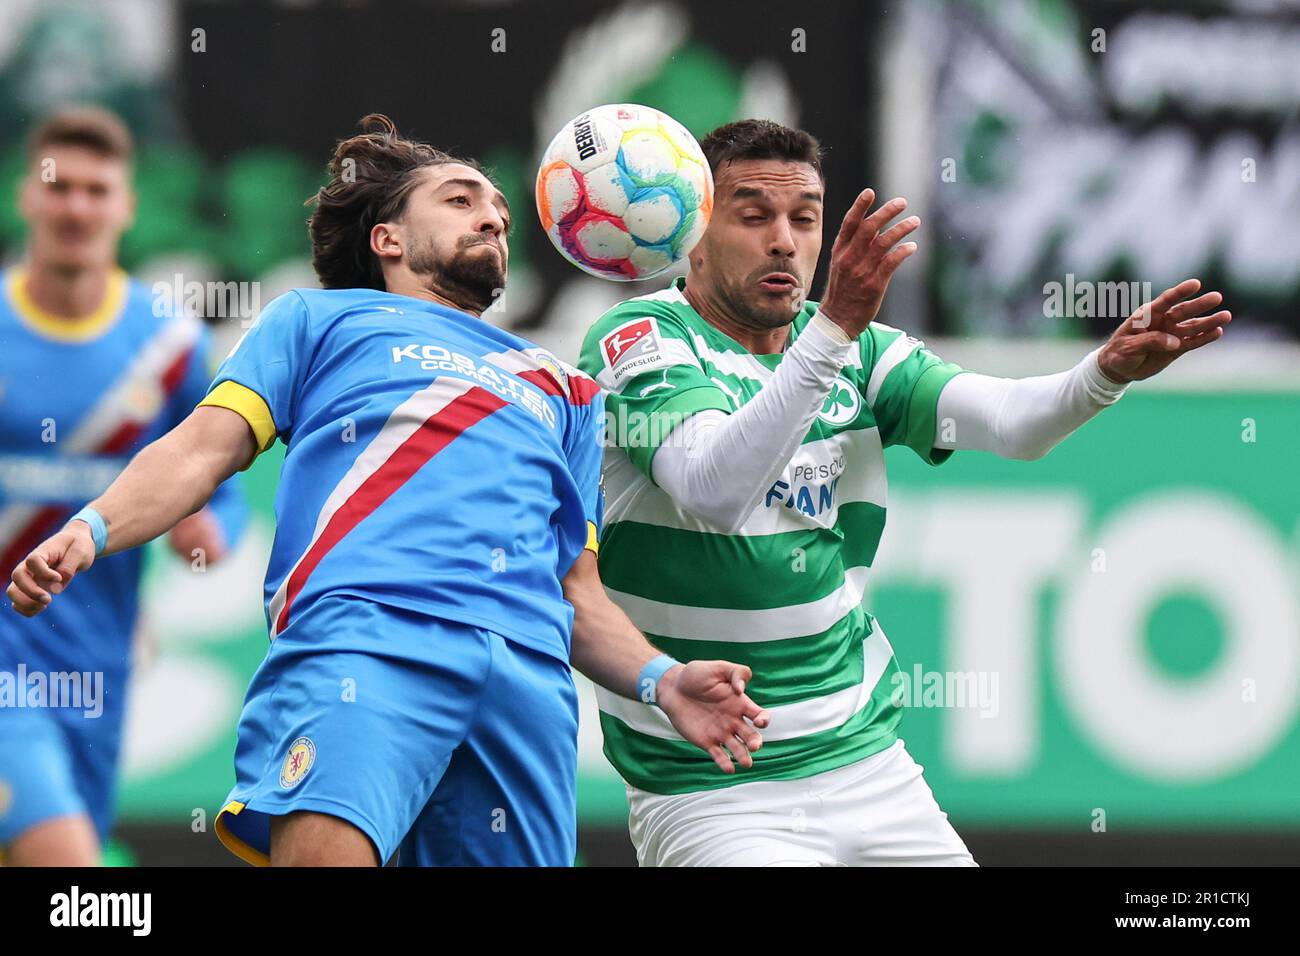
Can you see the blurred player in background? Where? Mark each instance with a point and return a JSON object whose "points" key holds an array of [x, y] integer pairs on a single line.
{"points": [[747, 530], [92, 368], [433, 570]]}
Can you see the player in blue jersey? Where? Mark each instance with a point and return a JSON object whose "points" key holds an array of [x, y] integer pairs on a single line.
{"points": [[433, 571], [90, 372]]}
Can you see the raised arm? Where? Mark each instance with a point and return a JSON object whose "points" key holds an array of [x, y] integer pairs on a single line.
{"points": [[166, 481], [705, 700], [1025, 418], [718, 465]]}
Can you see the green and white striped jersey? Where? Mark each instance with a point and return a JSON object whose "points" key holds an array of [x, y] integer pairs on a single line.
{"points": [[783, 594]]}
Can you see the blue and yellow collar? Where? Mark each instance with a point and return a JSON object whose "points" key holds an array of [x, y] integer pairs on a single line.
{"points": [[59, 327]]}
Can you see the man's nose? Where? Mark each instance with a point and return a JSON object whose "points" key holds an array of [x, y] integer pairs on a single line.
{"points": [[492, 222], [78, 204], [780, 244]]}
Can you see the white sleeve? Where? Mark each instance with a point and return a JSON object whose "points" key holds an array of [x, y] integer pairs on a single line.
{"points": [[1021, 418], [717, 466]]}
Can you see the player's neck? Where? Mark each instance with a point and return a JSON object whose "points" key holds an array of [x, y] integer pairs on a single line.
{"points": [[64, 293], [415, 290], [756, 340]]}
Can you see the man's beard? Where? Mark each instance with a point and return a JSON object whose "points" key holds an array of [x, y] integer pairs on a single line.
{"points": [[470, 279], [745, 298]]}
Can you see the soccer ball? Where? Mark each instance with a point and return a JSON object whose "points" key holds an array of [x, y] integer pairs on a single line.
{"points": [[624, 192]]}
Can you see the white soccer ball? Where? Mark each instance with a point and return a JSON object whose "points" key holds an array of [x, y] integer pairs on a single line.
{"points": [[624, 191]]}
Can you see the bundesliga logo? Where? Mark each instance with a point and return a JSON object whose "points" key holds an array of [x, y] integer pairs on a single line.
{"points": [[632, 349], [619, 342]]}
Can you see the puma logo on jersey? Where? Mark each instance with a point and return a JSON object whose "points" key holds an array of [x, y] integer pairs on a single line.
{"points": [[663, 385], [736, 398]]}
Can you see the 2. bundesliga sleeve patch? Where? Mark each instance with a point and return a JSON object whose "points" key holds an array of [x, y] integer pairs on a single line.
{"points": [[299, 760], [632, 348]]}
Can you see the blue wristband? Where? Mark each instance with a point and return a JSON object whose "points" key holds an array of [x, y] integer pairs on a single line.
{"points": [[647, 684], [98, 528]]}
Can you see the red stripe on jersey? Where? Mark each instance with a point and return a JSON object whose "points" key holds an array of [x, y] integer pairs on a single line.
{"points": [[543, 380], [125, 435], [175, 374], [437, 432], [582, 390], [47, 521]]}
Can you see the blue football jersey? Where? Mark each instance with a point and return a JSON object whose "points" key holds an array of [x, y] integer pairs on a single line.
{"points": [[78, 398], [433, 461]]}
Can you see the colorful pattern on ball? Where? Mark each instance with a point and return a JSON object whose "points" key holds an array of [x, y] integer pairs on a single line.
{"points": [[624, 191]]}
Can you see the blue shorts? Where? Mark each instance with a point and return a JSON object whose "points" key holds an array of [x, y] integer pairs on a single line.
{"points": [[447, 740], [55, 764]]}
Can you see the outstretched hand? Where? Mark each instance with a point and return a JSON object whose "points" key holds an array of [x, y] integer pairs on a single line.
{"points": [[1162, 330], [707, 703], [863, 260]]}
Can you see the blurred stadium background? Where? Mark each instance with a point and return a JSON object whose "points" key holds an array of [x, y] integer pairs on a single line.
{"points": [[1134, 595]]}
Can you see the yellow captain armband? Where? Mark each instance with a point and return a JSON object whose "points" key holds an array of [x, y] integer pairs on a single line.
{"points": [[250, 406], [592, 544]]}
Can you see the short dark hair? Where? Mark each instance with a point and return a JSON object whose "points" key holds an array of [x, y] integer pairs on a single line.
{"points": [[373, 187], [761, 139], [89, 127]]}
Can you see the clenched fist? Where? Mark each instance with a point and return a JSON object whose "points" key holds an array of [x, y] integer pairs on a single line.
{"points": [[48, 569]]}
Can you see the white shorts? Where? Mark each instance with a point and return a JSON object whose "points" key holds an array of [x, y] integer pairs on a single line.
{"points": [[876, 812]]}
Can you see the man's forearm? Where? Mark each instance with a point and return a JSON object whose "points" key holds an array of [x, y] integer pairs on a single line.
{"points": [[160, 487], [173, 477], [607, 647], [1021, 418], [718, 466]]}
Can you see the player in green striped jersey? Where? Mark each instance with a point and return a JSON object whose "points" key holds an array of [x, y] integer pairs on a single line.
{"points": [[745, 501]]}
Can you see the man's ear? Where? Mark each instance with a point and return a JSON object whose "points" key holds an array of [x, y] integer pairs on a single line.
{"points": [[386, 241]]}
